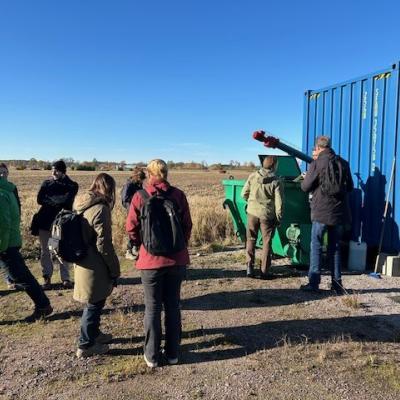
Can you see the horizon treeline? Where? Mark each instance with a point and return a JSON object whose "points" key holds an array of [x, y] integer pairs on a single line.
{"points": [[95, 165]]}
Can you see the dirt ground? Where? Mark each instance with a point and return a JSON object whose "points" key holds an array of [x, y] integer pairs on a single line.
{"points": [[242, 339]]}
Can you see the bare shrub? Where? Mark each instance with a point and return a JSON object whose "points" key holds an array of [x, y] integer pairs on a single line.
{"points": [[211, 223], [352, 301]]}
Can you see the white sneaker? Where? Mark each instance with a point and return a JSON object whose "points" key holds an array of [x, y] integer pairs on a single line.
{"points": [[149, 364], [97, 348], [172, 361]]}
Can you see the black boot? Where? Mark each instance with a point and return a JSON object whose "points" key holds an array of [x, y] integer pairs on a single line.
{"points": [[250, 271], [266, 276], [337, 287], [39, 313]]}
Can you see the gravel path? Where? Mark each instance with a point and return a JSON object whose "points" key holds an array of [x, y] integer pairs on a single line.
{"points": [[242, 339]]}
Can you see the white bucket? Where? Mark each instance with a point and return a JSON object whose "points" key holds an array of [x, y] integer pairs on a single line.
{"points": [[357, 256]]}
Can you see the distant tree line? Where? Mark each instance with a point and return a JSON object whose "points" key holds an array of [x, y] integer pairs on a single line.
{"points": [[95, 165]]}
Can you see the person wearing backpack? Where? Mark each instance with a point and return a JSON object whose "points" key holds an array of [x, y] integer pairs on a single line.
{"points": [[55, 194], [159, 222], [132, 185], [330, 182], [10, 243], [97, 272], [264, 195]]}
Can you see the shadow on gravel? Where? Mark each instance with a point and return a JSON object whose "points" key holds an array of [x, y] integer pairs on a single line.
{"points": [[264, 298], [221, 273], [378, 290], [213, 273], [133, 351], [251, 298], [78, 313], [7, 291], [249, 339], [130, 340], [129, 281]]}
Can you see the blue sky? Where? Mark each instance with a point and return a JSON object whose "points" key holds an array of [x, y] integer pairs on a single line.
{"points": [[180, 80]]}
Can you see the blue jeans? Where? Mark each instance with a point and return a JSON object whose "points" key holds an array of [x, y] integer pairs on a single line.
{"points": [[333, 253], [90, 324], [20, 273], [162, 287]]}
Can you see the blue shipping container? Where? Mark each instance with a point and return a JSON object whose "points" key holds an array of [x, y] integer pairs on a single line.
{"points": [[362, 118]]}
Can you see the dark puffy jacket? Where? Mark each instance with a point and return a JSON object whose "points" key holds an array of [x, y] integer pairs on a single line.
{"points": [[329, 210], [53, 196], [127, 192]]}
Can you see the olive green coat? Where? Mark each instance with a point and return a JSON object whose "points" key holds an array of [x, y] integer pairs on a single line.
{"points": [[10, 234], [94, 274], [264, 195]]}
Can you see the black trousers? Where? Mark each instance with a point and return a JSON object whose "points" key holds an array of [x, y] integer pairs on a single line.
{"points": [[20, 273], [162, 287]]}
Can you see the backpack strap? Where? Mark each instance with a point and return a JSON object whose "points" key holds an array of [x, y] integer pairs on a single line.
{"points": [[269, 179], [144, 194]]}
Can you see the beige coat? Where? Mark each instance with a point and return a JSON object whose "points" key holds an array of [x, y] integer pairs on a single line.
{"points": [[95, 273], [264, 195]]}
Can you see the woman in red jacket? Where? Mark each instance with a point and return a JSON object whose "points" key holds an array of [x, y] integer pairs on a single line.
{"points": [[162, 271]]}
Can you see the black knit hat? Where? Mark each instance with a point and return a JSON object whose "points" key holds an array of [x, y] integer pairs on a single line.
{"points": [[60, 166]]}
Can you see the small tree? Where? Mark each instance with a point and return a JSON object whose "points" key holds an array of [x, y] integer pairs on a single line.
{"points": [[32, 163]]}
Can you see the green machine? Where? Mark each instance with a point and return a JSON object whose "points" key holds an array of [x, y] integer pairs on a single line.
{"points": [[292, 237]]}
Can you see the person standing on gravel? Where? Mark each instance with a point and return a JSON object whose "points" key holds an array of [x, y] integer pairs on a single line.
{"points": [[11, 285], [329, 180], [159, 222], [264, 196], [10, 244], [55, 194], [97, 273], [132, 185]]}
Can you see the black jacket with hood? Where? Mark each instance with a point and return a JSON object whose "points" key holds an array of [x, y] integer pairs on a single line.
{"points": [[53, 196], [329, 210]]}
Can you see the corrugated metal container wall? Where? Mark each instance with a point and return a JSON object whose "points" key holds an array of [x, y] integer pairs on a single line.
{"points": [[362, 118]]}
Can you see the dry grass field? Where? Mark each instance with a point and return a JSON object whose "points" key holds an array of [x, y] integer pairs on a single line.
{"points": [[242, 338], [211, 223]]}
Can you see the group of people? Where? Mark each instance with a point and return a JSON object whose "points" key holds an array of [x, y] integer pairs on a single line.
{"points": [[158, 225], [329, 212], [97, 273]]}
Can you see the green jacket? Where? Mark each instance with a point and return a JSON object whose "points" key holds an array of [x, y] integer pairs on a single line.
{"points": [[10, 235], [264, 195]]}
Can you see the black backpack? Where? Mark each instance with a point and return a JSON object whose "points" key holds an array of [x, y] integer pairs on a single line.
{"points": [[66, 240], [333, 178], [161, 227]]}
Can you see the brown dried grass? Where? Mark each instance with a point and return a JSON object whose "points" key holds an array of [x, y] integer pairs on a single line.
{"points": [[204, 190]]}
